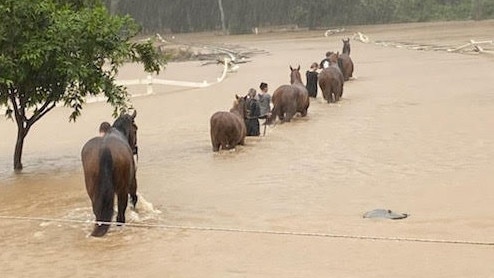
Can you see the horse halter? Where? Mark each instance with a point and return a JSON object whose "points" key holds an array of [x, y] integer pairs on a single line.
{"points": [[132, 137]]}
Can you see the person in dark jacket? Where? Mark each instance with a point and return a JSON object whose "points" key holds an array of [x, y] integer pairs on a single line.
{"points": [[264, 101], [253, 113], [311, 76], [326, 62]]}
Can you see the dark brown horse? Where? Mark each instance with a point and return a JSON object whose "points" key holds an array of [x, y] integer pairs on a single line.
{"points": [[346, 46], [109, 169], [345, 62], [228, 128], [331, 80], [290, 99]]}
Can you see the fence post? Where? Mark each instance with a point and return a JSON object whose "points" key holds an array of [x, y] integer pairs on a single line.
{"points": [[149, 83]]}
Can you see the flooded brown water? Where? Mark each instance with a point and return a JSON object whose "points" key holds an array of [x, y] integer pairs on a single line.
{"points": [[411, 134]]}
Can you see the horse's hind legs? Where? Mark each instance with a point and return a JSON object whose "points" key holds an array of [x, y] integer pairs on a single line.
{"points": [[133, 199], [122, 206], [216, 146], [133, 193], [333, 98]]}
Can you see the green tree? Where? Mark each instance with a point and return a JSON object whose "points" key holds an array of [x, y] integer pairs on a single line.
{"points": [[60, 52]]}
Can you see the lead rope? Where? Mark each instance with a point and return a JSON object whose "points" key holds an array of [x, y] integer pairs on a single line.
{"points": [[135, 156], [252, 231]]}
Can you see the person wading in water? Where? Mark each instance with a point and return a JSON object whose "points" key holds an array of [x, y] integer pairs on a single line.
{"points": [[264, 104], [311, 77], [253, 113], [104, 128]]}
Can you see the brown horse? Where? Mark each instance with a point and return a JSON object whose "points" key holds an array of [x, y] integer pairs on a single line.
{"points": [[228, 128], [109, 169], [345, 62], [290, 99], [331, 80]]}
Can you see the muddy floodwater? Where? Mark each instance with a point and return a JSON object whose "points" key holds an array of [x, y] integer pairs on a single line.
{"points": [[413, 133]]}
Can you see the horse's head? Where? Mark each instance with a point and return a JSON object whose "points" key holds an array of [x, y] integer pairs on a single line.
{"points": [[346, 46], [295, 76], [333, 58], [125, 123], [239, 106]]}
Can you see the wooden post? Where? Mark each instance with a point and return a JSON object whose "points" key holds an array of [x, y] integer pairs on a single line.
{"points": [[149, 82]]}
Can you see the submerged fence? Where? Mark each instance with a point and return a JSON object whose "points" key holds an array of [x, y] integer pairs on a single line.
{"points": [[150, 81]]}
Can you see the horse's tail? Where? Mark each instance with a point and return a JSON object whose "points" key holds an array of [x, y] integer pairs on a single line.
{"points": [[274, 113], [103, 203]]}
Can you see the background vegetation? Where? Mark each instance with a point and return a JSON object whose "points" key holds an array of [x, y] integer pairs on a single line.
{"points": [[240, 16], [59, 52]]}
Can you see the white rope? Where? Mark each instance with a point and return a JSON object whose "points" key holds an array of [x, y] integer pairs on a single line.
{"points": [[252, 231]]}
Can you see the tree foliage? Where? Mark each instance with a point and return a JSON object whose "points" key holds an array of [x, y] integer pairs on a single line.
{"points": [[60, 52]]}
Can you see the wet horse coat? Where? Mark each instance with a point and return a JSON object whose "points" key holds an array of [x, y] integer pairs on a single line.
{"points": [[109, 169], [345, 62], [290, 99], [227, 129], [331, 80]]}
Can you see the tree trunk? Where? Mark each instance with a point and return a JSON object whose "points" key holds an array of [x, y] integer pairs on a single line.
{"points": [[114, 6], [477, 10], [19, 145], [222, 14]]}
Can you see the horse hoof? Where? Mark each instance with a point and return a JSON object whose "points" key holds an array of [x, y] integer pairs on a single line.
{"points": [[100, 230]]}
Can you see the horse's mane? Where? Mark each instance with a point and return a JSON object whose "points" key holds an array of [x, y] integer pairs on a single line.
{"points": [[236, 108]]}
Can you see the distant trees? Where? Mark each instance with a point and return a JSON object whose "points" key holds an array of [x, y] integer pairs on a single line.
{"points": [[240, 16]]}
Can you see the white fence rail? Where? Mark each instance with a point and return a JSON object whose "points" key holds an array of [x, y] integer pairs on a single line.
{"points": [[473, 45], [150, 81]]}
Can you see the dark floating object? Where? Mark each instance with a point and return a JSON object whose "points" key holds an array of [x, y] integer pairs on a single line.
{"points": [[385, 213]]}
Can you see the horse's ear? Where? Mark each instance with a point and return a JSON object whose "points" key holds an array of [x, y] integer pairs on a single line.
{"points": [[236, 96], [134, 114], [298, 67], [291, 67]]}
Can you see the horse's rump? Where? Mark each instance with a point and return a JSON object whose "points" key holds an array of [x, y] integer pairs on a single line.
{"points": [[331, 82], [303, 101], [227, 130], [285, 103]]}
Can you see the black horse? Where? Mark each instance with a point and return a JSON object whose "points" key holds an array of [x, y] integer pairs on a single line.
{"points": [[109, 169]]}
